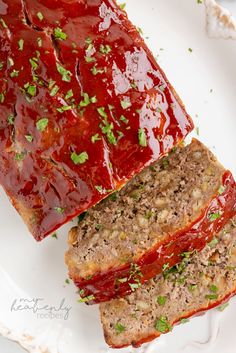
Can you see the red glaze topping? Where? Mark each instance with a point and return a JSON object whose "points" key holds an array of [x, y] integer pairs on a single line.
{"points": [[83, 107], [121, 282]]}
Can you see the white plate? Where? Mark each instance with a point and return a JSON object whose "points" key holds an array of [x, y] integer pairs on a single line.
{"points": [[206, 81]]}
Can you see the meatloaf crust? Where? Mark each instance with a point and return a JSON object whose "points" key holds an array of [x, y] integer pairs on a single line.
{"points": [[83, 107], [200, 282], [174, 206]]}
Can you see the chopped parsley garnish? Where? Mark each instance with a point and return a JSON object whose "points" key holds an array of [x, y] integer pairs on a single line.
{"points": [[119, 328], [213, 288], [60, 210], [2, 97], [40, 42], [14, 73], [95, 138], [67, 281], [31, 90], [125, 104], [214, 216], [89, 59], [11, 119], [3, 23], [124, 119], [221, 189], [107, 130], [79, 158], [142, 137], [64, 108], [1, 65], [87, 299], [21, 44], [223, 307], [29, 138], [96, 71], [211, 296], [66, 74], [105, 49], [134, 286], [19, 156], [102, 112], [190, 50], [87, 100], [54, 235], [213, 243], [162, 325], [122, 6], [33, 63], [40, 16], [69, 94], [59, 34], [165, 163], [161, 300], [184, 321], [54, 91], [42, 124]]}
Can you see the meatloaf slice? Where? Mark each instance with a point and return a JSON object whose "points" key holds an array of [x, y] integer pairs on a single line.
{"points": [[174, 206], [83, 107], [200, 282]]}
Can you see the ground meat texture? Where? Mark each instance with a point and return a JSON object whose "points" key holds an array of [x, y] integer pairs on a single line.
{"points": [[83, 107], [174, 206], [200, 282]]}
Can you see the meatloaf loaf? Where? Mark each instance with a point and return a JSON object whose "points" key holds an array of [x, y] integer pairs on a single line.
{"points": [[200, 282], [83, 107], [174, 206]]}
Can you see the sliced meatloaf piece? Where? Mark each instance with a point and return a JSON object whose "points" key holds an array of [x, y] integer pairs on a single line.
{"points": [[174, 206], [200, 282], [83, 107]]}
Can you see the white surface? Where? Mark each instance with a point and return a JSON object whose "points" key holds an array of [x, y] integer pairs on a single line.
{"points": [[32, 270]]}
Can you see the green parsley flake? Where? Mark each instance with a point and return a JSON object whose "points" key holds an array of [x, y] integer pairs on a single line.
{"points": [[213, 288], [31, 90], [96, 71], [21, 44], [79, 158], [54, 91], [213, 243], [223, 307], [40, 16], [69, 94], [102, 112], [87, 299], [33, 63], [184, 321], [64, 108], [107, 130], [125, 104], [190, 50], [3, 23], [221, 189], [19, 156], [95, 138], [124, 119], [142, 137], [105, 49], [66, 74], [14, 73], [42, 124], [119, 328], [211, 296], [134, 286], [67, 281], [2, 97], [59, 210], [162, 325], [40, 42], [122, 6], [54, 235], [214, 216], [11, 119], [59, 34], [29, 138], [161, 300], [89, 59]]}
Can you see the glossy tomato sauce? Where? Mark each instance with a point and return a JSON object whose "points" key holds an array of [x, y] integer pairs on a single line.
{"points": [[83, 107]]}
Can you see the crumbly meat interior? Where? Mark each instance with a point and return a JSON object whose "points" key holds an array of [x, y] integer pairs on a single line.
{"points": [[163, 199], [199, 281]]}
